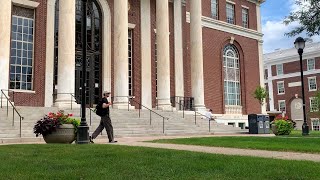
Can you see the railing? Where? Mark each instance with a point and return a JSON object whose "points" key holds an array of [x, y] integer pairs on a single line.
{"points": [[13, 107], [186, 103], [131, 98], [72, 97]]}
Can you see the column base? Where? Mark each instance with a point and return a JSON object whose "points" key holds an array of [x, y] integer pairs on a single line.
{"points": [[165, 107], [64, 104], [122, 105], [200, 108]]}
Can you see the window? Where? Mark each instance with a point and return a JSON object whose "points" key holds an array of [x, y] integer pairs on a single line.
{"points": [[311, 64], [266, 74], [314, 104], [279, 69], [231, 124], [312, 81], [21, 57], [214, 9], [315, 124], [231, 70], [282, 105], [280, 86], [245, 17], [230, 13], [130, 74], [241, 125]]}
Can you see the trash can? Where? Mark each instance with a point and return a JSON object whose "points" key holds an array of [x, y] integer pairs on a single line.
{"points": [[259, 124]]}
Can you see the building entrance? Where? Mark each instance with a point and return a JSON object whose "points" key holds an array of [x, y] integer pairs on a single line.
{"points": [[94, 49]]}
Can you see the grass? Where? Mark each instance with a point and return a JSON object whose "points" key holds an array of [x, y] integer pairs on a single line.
{"points": [[293, 144], [297, 133], [122, 162]]}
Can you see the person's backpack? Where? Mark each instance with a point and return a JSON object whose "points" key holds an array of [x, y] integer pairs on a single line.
{"points": [[99, 109]]}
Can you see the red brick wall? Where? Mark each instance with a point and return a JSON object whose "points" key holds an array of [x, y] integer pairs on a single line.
{"points": [[294, 66], [39, 61], [291, 91], [206, 11], [214, 42]]}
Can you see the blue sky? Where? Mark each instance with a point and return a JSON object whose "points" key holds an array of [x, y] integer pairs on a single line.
{"points": [[272, 14]]}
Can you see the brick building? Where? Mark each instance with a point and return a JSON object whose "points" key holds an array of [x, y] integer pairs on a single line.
{"points": [[209, 51], [283, 81]]}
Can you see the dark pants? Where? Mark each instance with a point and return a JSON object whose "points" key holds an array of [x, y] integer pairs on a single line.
{"points": [[104, 123]]}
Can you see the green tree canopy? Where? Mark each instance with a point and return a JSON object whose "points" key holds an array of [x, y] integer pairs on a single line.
{"points": [[308, 17]]}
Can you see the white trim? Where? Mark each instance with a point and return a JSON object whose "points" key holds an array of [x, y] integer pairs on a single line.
{"points": [[270, 89], [245, 7], [296, 74], [227, 27], [284, 91], [231, 2], [131, 26], [23, 91], [25, 3], [294, 84], [290, 58], [315, 80]]}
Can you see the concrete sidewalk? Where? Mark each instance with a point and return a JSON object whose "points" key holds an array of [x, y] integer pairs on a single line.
{"points": [[137, 141]]}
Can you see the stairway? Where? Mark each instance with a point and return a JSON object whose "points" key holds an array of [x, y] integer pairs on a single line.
{"points": [[126, 123]]}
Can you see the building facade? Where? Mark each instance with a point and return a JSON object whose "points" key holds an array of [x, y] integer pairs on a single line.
{"points": [[283, 81], [209, 51]]}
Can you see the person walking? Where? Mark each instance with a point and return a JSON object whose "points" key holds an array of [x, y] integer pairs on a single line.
{"points": [[105, 119]]}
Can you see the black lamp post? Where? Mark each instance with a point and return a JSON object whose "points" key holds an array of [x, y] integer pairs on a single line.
{"points": [[299, 45], [83, 129]]}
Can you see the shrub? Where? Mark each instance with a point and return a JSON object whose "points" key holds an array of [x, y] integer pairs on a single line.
{"points": [[283, 125]]}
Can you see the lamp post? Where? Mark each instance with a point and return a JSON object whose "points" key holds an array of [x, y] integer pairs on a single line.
{"points": [[299, 45], [83, 129]]}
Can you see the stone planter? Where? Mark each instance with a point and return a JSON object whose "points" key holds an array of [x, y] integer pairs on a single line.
{"points": [[64, 134]]}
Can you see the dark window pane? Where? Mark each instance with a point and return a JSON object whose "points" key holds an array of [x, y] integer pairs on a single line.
{"points": [[24, 61], [18, 61], [14, 20], [29, 78], [17, 85], [19, 36], [30, 62], [25, 22], [19, 45], [24, 78], [12, 85], [25, 46], [25, 30], [19, 21], [25, 54], [30, 46], [29, 70], [13, 60], [18, 69], [25, 37], [19, 29], [13, 52], [30, 54], [12, 69], [28, 86], [23, 85], [31, 23], [12, 77]]}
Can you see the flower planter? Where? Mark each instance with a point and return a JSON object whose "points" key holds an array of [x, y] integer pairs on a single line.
{"points": [[274, 129], [64, 134]]}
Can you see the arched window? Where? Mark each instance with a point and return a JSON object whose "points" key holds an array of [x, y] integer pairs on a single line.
{"points": [[231, 69]]}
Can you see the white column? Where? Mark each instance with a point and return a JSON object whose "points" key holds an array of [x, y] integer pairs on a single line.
{"points": [[178, 48], [196, 54], [121, 79], [66, 54], [163, 57], [260, 50], [146, 88], [5, 30], [48, 102], [270, 88]]}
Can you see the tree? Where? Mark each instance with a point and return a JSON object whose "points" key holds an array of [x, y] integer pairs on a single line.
{"points": [[308, 17], [260, 94]]}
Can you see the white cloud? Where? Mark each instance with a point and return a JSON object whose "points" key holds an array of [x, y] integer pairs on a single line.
{"points": [[274, 31]]}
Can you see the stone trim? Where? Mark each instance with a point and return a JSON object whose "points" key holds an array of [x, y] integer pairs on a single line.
{"points": [[25, 3]]}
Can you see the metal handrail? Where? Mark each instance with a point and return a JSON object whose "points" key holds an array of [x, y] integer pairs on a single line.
{"points": [[151, 111], [13, 108]]}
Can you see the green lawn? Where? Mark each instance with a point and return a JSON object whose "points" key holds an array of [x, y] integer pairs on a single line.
{"points": [[297, 133], [294, 144], [122, 162]]}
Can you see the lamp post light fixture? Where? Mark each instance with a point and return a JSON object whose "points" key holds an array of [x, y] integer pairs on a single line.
{"points": [[83, 129], [299, 45]]}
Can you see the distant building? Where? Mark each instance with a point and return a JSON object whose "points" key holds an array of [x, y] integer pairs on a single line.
{"points": [[283, 82]]}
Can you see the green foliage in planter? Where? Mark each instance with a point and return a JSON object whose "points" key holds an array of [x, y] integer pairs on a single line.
{"points": [[52, 121], [284, 127], [260, 94]]}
